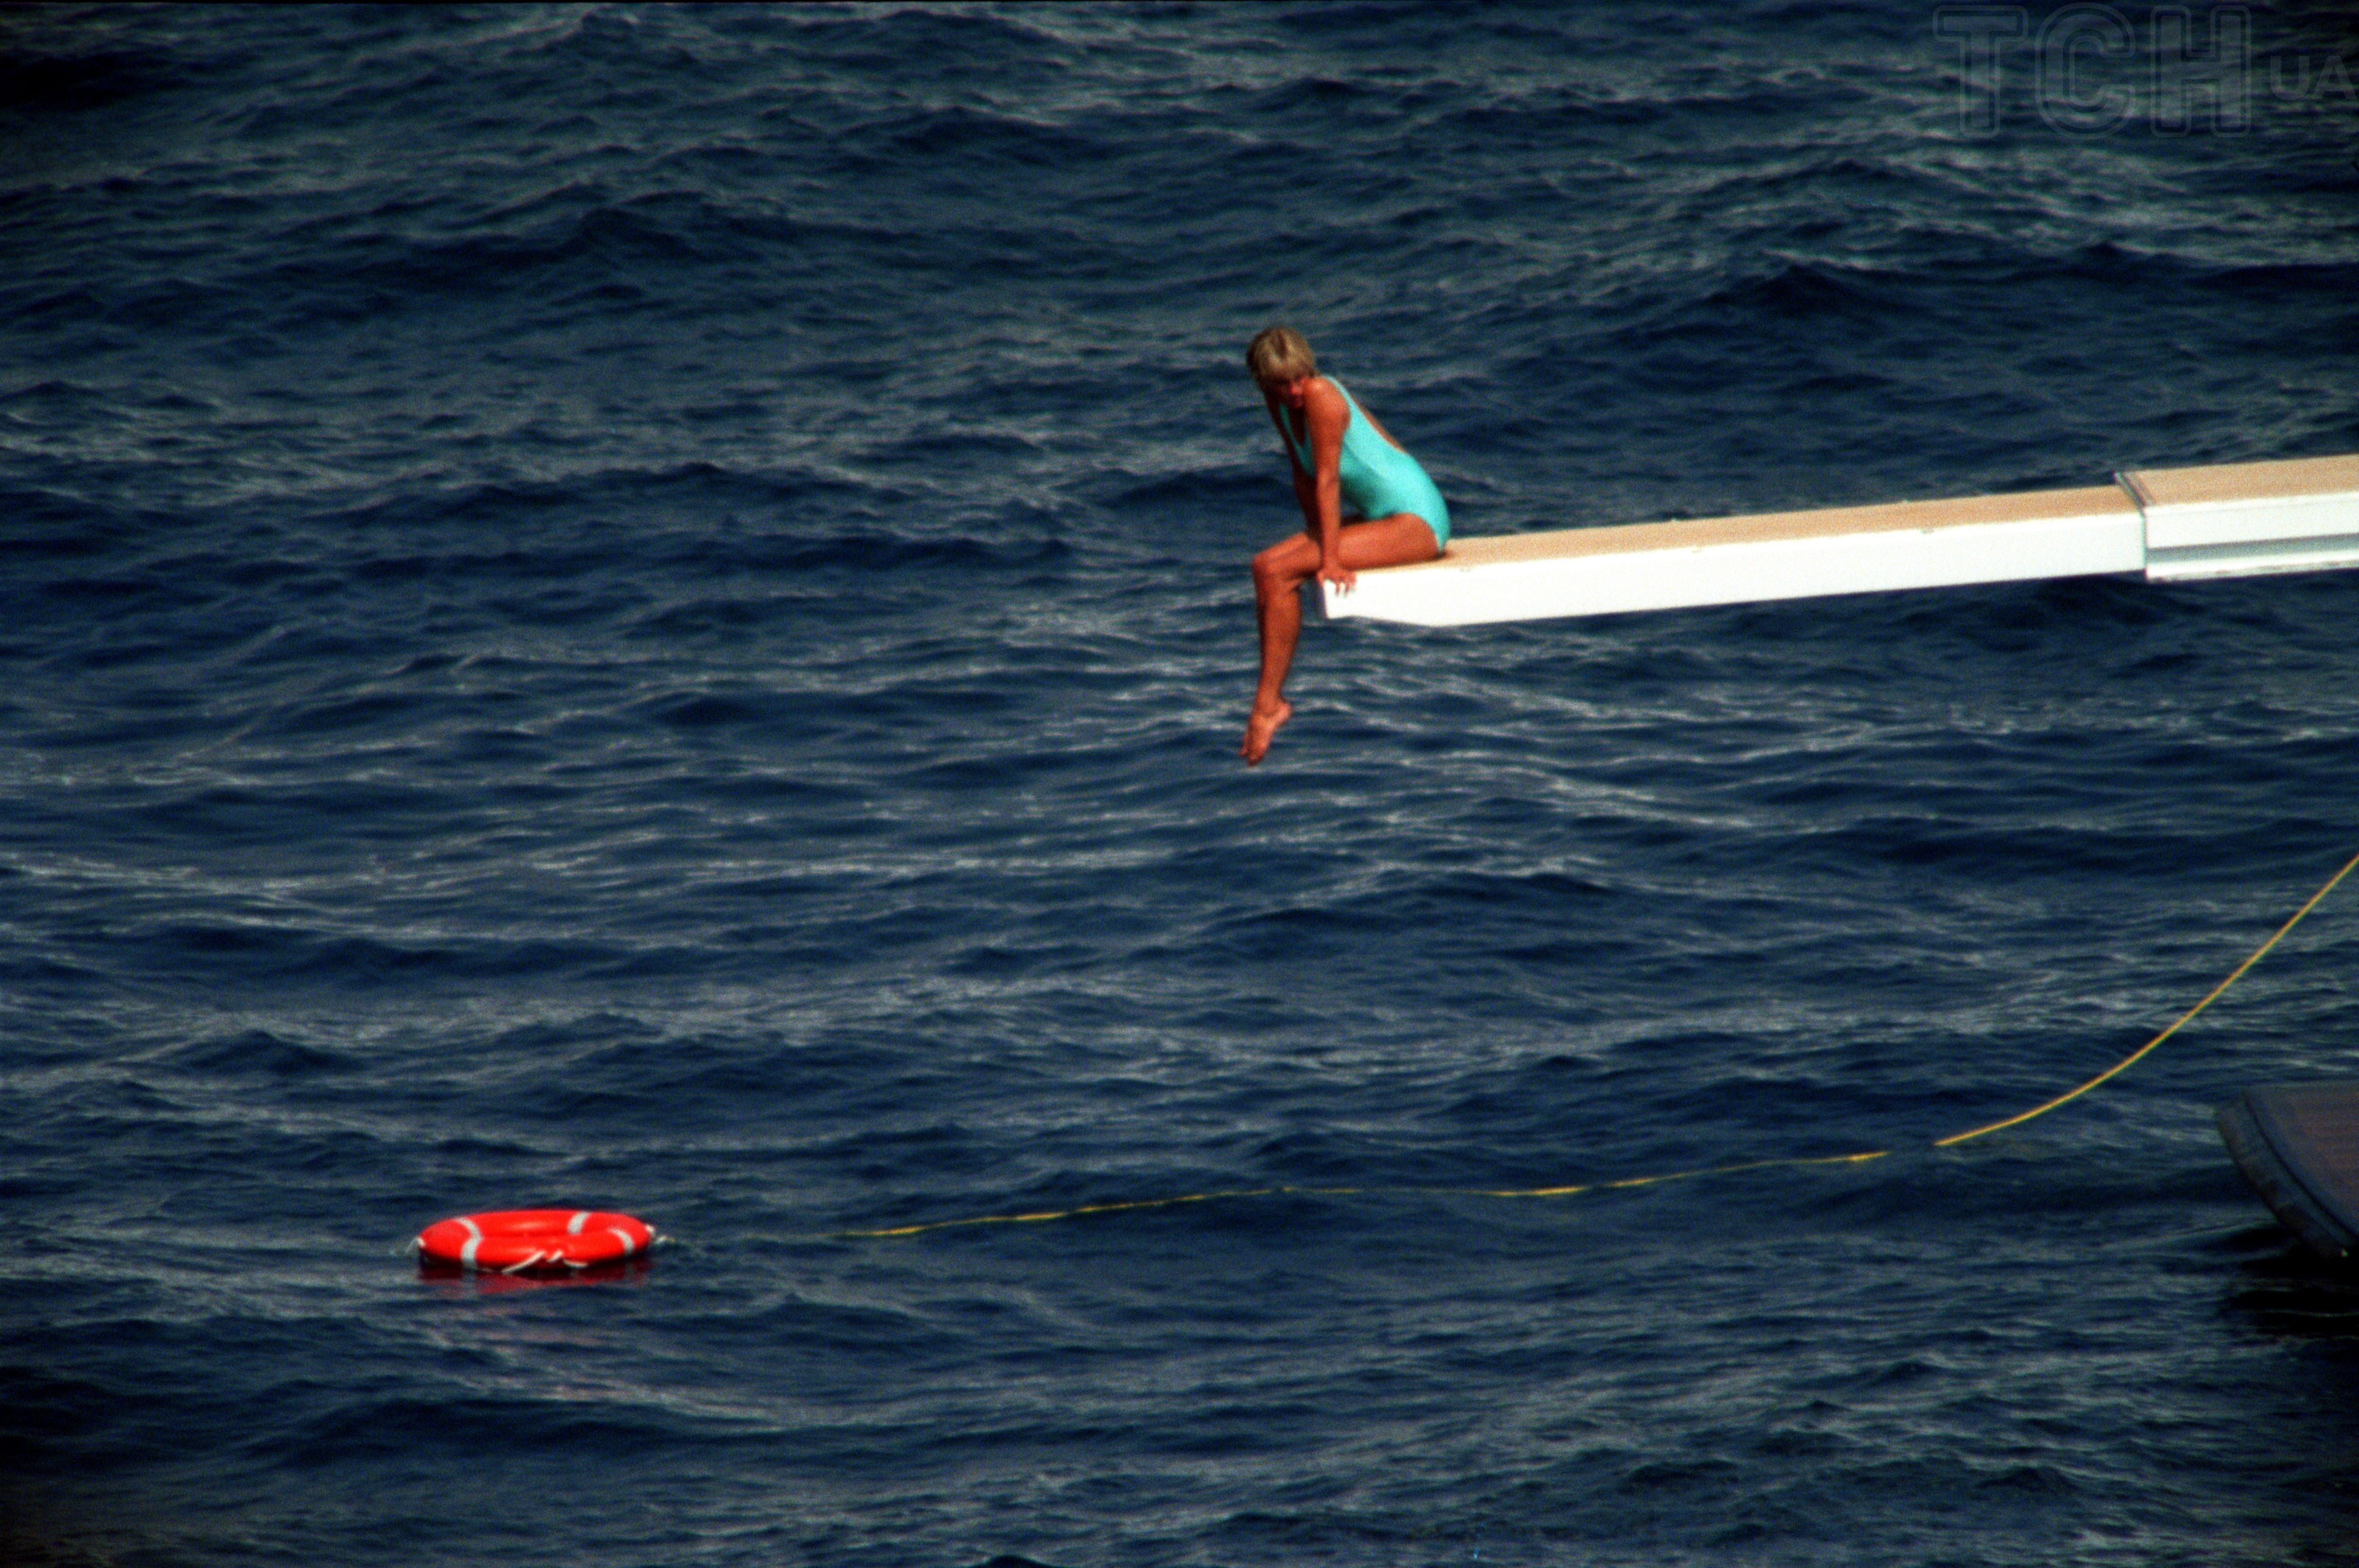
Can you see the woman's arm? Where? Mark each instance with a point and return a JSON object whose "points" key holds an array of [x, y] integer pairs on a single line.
{"points": [[1305, 495], [1327, 416], [1320, 493]]}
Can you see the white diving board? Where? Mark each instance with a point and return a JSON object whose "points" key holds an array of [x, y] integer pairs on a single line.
{"points": [[2235, 520]]}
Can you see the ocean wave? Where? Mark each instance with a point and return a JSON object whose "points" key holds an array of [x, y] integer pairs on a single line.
{"points": [[71, 80], [643, 608]]}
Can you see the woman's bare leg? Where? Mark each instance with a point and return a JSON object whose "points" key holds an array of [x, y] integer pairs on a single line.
{"points": [[1279, 573]]}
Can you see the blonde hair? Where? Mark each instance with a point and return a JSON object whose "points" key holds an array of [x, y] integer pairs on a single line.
{"points": [[1279, 353]]}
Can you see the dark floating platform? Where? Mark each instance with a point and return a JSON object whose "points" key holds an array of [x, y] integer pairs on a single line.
{"points": [[2298, 1145]]}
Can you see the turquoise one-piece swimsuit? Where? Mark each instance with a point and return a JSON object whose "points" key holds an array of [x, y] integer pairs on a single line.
{"points": [[1377, 478]]}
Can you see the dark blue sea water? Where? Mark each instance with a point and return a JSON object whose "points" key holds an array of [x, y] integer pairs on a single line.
{"points": [[645, 608]]}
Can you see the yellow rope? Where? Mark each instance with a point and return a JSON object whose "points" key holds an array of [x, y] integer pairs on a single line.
{"points": [[1956, 1138], [2185, 1018], [1653, 1180], [1036, 1218]]}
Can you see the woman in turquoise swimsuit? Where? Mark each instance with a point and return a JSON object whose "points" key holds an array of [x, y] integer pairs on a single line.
{"points": [[1339, 455]]}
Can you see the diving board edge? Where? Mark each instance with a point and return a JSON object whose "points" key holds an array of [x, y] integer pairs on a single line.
{"points": [[2229, 520]]}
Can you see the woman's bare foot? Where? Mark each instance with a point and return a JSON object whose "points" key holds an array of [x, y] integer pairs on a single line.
{"points": [[1260, 727]]}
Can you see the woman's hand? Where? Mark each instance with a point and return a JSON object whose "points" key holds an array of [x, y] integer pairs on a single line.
{"points": [[1343, 576]]}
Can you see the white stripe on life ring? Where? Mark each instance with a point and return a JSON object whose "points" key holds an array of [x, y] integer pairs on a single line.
{"points": [[578, 1220]]}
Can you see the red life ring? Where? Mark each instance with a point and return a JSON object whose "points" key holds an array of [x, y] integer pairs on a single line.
{"points": [[535, 1241]]}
